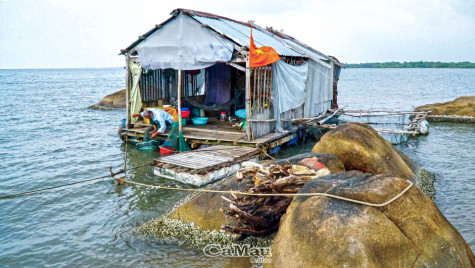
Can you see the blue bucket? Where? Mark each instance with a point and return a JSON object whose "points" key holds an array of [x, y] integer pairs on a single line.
{"points": [[195, 112]]}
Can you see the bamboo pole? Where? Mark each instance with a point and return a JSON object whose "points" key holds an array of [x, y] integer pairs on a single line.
{"points": [[264, 91], [179, 100], [248, 99], [127, 89], [380, 130], [258, 90], [388, 112], [321, 122]]}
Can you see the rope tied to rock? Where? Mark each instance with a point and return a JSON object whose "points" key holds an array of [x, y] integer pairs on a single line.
{"points": [[122, 180], [231, 192], [112, 174]]}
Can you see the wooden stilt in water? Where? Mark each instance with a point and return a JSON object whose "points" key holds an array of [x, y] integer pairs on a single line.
{"points": [[179, 102]]}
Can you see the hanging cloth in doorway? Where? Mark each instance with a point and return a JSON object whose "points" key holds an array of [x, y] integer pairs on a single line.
{"points": [[218, 84], [135, 99]]}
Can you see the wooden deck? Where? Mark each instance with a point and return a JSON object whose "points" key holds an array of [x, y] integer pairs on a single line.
{"points": [[218, 133], [204, 166], [209, 157]]}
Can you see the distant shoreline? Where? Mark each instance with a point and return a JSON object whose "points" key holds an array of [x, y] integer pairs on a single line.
{"points": [[59, 68], [412, 64]]}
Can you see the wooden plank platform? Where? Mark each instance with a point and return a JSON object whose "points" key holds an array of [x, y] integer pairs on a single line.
{"points": [[204, 166], [217, 133], [209, 157]]}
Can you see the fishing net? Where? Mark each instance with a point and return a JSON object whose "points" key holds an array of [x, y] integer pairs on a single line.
{"points": [[148, 145], [380, 119], [175, 140], [383, 121]]}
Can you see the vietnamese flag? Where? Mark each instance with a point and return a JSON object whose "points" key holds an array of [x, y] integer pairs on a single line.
{"points": [[261, 56]]}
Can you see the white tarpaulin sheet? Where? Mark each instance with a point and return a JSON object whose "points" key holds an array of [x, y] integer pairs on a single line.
{"points": [[288, 88], [288, 82], [319, 90], [183, 44]]}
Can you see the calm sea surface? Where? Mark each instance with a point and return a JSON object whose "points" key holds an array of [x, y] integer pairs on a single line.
{"points": [[48, 137]]}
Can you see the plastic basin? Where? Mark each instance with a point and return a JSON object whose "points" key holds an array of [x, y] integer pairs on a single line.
{"points": [[200, 120], [166, 150]]}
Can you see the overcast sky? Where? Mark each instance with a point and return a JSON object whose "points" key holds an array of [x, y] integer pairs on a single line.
{"points": [[83, 33]]}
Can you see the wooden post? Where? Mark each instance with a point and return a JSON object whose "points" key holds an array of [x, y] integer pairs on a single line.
{"points": [[127, 90], [248, 99], [179, 100]]}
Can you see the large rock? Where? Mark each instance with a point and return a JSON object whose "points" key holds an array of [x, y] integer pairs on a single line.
{"points": [[325, 232], [110, 102], [461, 106], [205, 209], [361, 148]]}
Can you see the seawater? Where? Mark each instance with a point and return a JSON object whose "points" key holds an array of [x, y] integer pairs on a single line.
{"points": [[48, 137]]}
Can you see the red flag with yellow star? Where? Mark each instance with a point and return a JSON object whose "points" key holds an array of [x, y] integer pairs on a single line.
{"points": [[261, 56]]}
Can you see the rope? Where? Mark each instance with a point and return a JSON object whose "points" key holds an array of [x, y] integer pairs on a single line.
{"points": [[72, 183], [278, 194]]}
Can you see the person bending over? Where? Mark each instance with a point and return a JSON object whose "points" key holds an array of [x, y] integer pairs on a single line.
{"points": [[158, 119]]}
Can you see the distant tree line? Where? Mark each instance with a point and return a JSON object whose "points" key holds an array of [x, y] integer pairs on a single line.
{"points": [[412, 64]]}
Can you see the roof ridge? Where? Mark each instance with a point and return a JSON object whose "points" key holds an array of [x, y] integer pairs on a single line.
{"points": [[207, 15]]}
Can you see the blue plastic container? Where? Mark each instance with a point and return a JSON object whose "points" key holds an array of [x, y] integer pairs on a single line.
{"points": [[241, 113], [200, 120], [195, 112], [293, 141], [274, 150]]}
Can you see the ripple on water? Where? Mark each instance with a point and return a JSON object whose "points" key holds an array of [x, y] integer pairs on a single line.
{"points": [[56, 140]]}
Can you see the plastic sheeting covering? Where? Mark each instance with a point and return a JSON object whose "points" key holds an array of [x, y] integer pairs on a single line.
{"points": [[319, 90], [288, 87], [135, 100], [182, 44], [288, 82]]}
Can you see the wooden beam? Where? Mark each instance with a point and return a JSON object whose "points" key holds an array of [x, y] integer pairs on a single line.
{"points": [[321, 122], [248, 99], [237, 66], [179, 102], [347, 112], [264, 120], [282, 140]]}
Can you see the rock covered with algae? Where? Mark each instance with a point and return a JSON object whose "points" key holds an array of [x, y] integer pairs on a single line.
{"points": [[361, 148], [192, 235], [112, 101], [205, 209], [197, 219], [461, 106]]}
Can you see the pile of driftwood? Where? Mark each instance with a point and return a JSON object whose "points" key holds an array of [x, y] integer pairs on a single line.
{"points": [[260, 215]]}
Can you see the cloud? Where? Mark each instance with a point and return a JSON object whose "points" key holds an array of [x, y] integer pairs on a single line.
{"points": [[56, 33]]}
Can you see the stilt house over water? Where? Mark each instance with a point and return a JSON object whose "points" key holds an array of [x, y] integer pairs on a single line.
{"points": [[212, 53]]}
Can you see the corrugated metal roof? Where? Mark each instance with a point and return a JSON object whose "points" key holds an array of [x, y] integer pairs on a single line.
{"points": [[241, 33], [303, 49]]}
